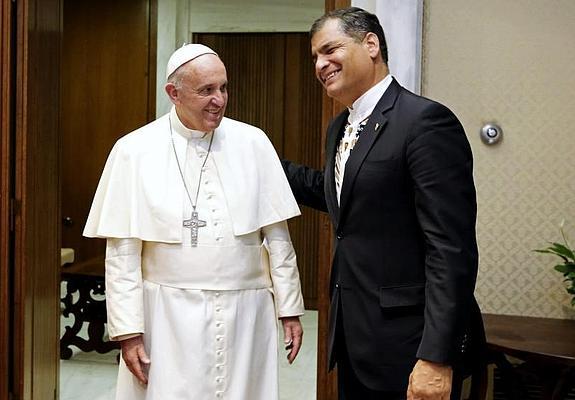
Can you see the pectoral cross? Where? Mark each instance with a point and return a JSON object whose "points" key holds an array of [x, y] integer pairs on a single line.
{"points": [[194, 223]]}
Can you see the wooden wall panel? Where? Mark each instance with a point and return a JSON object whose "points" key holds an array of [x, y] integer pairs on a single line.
{"points": [[255, 68], [6, 179], [302, 144], [272, 86], [36, 234], [108, 90]]}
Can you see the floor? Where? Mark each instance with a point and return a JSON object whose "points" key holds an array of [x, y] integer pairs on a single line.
{"points": [[92, 375]]}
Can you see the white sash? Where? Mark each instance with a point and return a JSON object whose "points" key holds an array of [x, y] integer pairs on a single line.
{"points": [[206, 267]]}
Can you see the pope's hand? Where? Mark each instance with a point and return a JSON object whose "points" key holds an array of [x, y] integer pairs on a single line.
{"points": [[429, 381], [135, 357], [293, 333]]}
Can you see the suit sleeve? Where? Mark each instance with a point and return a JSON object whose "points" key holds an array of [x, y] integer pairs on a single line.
{"points": [[306, 184], [441, 166], [124, 288]]}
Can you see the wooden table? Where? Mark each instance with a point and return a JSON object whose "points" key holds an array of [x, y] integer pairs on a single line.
{"points": [[547, 346], [86, 278]]}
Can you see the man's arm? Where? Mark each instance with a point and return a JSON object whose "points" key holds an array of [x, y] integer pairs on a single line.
{"points": [[286, 284], [441, 166], [306, 184], [125, 302]]}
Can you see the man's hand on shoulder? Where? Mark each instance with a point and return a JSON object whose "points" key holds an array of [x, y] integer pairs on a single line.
{"points": [[135, 357], [429, 381]]}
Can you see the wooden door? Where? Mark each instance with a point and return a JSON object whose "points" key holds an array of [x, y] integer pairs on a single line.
{"points": [[272, 86], [108, 90], [30, 258]]}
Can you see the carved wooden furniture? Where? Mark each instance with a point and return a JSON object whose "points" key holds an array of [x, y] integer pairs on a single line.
{"points": [[86, 279]]}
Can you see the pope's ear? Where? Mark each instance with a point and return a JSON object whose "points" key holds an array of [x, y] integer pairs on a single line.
{"points": [[372, 43], [171, 91]]}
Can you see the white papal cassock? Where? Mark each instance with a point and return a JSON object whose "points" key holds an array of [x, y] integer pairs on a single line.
{"points": [[208, 313]]}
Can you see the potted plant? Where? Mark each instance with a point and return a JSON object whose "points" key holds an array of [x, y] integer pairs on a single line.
{"points": [[567, 267]]}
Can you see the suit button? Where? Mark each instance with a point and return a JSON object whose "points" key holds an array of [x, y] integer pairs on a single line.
{"points": [[337, 285], [339, 236]]}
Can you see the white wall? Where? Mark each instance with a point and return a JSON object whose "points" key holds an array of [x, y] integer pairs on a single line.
{"points": [[402, 24], [254, 15]]}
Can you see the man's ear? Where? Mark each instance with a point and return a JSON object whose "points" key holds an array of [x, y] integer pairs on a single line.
{"points": [[171, 91], [371, 41]]}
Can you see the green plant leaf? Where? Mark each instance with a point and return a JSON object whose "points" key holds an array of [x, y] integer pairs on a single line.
{"points": [[557, 249], [550, 251], [564, 251], [565, 268]]}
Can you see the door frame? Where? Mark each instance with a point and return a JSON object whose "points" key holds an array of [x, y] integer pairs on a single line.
{"points": [[7, 14], [31, 184], [37, 153]]}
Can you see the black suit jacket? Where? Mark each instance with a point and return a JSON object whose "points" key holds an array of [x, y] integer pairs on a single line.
{"points": [[405, 259]]}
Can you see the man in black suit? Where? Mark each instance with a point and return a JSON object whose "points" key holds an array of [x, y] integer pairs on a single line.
{"points": [[398, 186]]}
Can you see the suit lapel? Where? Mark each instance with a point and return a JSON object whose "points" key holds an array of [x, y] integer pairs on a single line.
{"points": [[334, 134], [374, 127]]}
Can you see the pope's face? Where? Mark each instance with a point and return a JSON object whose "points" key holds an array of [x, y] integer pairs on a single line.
{"points": [[202, 96], [342, 64]]}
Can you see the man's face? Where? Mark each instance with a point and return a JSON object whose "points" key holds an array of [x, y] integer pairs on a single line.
{"points": [[202, 96], [342, 64]]}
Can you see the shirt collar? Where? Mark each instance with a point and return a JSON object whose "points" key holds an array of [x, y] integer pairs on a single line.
{"points": [[364, 105], [181, 129]]}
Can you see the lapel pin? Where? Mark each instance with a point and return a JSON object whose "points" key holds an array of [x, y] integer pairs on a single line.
{"points": [[376, 126]]}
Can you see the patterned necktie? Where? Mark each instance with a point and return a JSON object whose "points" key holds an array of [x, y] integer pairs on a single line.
{"points": [[346, 145]]}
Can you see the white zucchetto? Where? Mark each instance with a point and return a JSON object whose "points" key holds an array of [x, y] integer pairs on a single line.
{"points": [[184, 54]]}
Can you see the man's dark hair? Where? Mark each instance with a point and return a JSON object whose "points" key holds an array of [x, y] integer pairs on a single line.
{"points": [[355, 23]]}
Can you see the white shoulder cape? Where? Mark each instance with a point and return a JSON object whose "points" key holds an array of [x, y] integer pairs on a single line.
{"points": [[140, 194]]}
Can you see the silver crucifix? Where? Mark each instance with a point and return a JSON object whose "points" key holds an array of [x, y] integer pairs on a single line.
{"points": [[194, 223]]}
